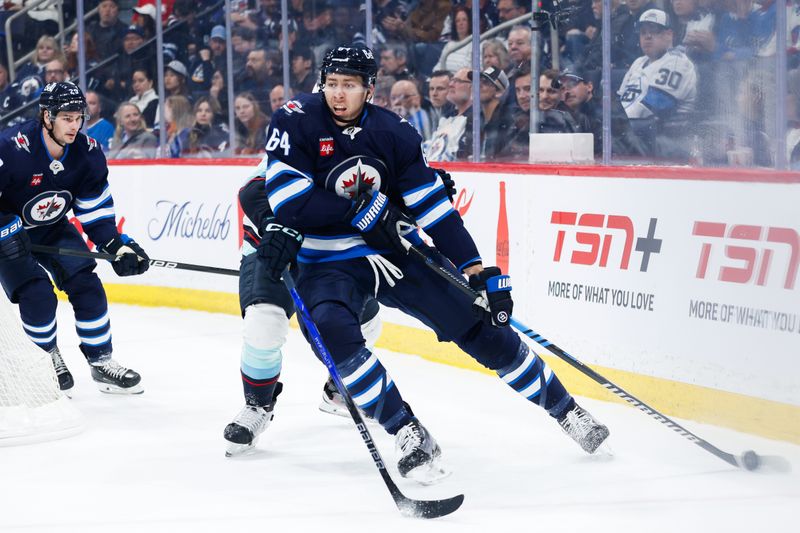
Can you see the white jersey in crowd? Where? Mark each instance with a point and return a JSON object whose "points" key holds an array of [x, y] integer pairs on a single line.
{"points": [[668, 83]]}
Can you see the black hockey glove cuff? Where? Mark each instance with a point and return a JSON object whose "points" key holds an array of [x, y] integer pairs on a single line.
{"points": [[14, 240], [278, 248], [494, 304], [381, 224], [449, 183], [131, 259]]}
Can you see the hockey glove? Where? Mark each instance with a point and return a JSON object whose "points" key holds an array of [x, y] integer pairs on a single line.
{"points": [[449, 183], [14, 240], [278, 248], [494, 304], [379, 222], [131, 259]]}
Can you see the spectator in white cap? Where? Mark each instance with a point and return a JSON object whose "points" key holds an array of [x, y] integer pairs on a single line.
{"points": [[661, 85], [494, 122], [175, 74]]}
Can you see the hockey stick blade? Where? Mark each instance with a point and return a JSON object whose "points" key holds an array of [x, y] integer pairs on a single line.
{"points": [[748, 461], [407, 506], [428, 508], [175, 265]]}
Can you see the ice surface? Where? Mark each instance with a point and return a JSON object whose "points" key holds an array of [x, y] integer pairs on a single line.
{"points": [[155, 462]]}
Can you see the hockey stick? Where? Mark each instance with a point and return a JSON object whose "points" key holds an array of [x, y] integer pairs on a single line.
{"points": [[749, 460], [53, 250], [407, 506]]}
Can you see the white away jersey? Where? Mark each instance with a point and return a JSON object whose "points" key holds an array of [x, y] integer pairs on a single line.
{"points": [[666, 85]]}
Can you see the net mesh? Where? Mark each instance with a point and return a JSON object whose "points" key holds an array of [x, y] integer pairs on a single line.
{"points": [[32, 407]]}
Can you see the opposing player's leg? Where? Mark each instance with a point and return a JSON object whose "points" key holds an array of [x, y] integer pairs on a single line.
{"points": [[436, 303], [332, 401], [76, 277], [267, 307], [335, 298]]}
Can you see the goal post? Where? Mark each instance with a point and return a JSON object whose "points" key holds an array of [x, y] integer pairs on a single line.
{"points": [[32, 408]]}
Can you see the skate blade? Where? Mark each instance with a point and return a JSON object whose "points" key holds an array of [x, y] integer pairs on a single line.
{"points": [[113, 389], [335, 410], [429, 474], [240, 450]]}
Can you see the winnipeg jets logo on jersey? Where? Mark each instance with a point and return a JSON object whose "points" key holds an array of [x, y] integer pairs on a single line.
{"points": [[46, 208], [293, 106], [21, 140], [355, 175]]}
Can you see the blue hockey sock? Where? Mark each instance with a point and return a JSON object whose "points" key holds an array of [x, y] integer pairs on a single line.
{"points": [[44, 335], [530, 376], [373, 390]]}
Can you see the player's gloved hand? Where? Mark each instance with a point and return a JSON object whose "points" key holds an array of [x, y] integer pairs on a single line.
{"points": [[381, 224], [131, 259], [494, 304], [14, 240], [449, 183], [278, 248]]}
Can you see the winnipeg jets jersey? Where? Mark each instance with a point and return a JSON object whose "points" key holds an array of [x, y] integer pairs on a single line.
{"points": [[314, 171], [658, 87], [41, 190]]}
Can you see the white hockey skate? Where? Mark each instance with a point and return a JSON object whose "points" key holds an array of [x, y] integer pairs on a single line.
{"points": [[333, 403], [242, 434], [113, 378], [585, 430], [419, 454]]}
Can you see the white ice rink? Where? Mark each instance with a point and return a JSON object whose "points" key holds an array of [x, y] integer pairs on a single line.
{"points": [[156, 462]]}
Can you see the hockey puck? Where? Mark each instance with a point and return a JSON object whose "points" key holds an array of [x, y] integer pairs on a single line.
{"points": [[750, 460]]}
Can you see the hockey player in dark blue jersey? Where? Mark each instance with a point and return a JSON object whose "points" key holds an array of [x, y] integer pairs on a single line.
{"points": [[351, 177], [266, 306], [48, 167]]}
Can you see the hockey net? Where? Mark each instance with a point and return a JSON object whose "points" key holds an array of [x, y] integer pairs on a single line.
{"points": [[32, 408]]}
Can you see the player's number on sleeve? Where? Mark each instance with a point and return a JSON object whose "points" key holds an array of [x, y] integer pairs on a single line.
{"points": [[278, 139], [670, 78]]}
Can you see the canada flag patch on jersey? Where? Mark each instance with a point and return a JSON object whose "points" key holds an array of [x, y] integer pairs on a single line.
{"points": [[326, 147], [22, 142]]}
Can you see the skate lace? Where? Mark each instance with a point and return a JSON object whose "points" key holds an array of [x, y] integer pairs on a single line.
{"points": [[409, 438], [251, 418], [113, 369], [390, 271], [58, 362], [578, 423]]}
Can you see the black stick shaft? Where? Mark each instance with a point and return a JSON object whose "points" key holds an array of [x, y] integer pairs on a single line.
{"points": [[53, 250], [462, 285]]}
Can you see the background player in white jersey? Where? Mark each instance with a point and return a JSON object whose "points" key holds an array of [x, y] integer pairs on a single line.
{"points": [[47, 168], [663, 81]]}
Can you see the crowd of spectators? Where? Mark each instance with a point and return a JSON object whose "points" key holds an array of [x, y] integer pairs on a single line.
{"points": [[692, 80]]}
